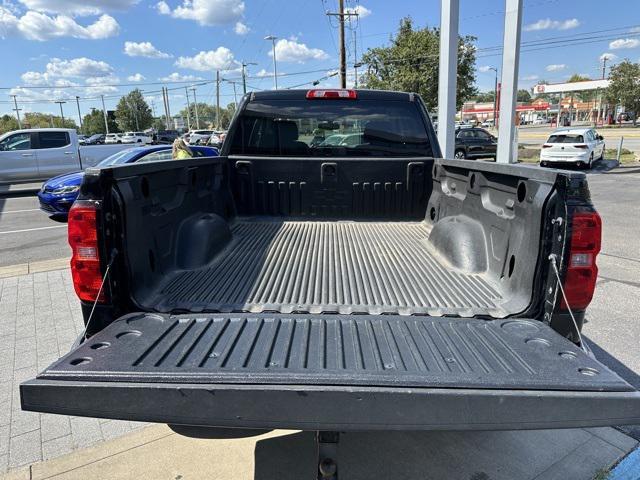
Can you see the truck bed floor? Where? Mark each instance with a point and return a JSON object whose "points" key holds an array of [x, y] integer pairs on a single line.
{"points": [[329, 267]]}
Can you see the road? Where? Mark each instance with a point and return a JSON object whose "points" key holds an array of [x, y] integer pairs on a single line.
{"points": [[28, 234], [537, 135]]}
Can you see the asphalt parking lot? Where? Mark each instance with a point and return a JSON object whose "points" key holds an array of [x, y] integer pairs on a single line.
{"points": [[612, 330]]}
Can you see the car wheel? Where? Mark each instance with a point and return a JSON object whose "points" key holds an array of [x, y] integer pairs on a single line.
{"points": [[590, 164], [601, 157], [459, 154], [544, 164], [119, 141], [139, 141]]}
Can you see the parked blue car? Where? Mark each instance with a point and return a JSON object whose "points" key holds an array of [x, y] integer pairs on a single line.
{"points": [[58, 193]]}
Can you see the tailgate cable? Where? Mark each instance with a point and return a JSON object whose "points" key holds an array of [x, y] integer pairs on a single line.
{"points": [[552, 258], [114, 252]]}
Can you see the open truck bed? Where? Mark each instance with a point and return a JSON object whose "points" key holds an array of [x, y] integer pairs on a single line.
{"points": [[324, 267]]}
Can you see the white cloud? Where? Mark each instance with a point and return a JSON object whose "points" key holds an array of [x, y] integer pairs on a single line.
{"points": [[219, 59], [78, 67], [548, 24], [108, 80], [176, 77], [555, 67], [241, 28], [608, 56], [137, 77], [205, 12], [143, 49], [264, 73], [484, 68], [292, 51], [78, 7], [530, 78], [360, 10], [624, 43], [40, 26]]}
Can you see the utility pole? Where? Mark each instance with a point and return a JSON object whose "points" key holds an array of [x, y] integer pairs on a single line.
{"points": [[275, 64], [355, 56], [79, 114], [17, 110], [495, 97], [244, 74], [60, 102], [217, 99], [604, 66], [343, 54], [195, 103], [235, 95], [166, 92], [104, 113], [186, 90], [447, 75]]}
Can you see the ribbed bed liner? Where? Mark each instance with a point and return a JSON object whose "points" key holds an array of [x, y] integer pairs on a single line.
{"points": [[326, 267]]}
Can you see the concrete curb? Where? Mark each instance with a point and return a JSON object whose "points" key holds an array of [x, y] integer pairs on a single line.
{"points": [[33, 267]]}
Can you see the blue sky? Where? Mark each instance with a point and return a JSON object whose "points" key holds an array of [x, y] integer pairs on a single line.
{"points": [[93, 47]]}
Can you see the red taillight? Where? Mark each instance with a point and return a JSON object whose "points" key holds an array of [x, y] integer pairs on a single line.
{"points": [[582, 272], [332, 94], [85, 258], [546, 146], [582, 147]]}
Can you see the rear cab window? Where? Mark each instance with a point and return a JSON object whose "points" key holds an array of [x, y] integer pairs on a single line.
{"points": [[53, 139], [331, 128]]}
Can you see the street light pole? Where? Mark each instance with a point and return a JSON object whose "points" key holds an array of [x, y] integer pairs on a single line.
{"points": [[60, 102], [275, 67], [79, 114], [244, 74], [186, 90], [104, 113], [195, 104], [17, 110]]}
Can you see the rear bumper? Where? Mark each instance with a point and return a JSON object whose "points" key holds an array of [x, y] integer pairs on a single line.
{"points": [[581, 157], [330, 407]]}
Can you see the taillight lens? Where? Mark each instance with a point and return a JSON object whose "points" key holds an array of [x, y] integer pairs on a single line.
{"points": [[582, 272], [332, 94], [582, 147], [546, 146], [85, 259]]}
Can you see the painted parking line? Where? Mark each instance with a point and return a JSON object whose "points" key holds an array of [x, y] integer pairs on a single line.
{"points": [[20, 211], [32, 229]]}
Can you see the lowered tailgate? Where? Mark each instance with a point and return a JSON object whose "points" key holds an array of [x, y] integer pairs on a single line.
{"points": [[333, 372]]}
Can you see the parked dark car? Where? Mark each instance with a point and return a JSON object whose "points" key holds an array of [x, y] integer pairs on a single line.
{"points": [[475, 143], [165, 136], [97, 139]]}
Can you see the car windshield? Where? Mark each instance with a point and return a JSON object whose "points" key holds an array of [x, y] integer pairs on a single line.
{"points": [[331, 129], [123, 156], [566, 138]]}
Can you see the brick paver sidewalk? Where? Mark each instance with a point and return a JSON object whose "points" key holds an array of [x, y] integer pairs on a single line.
{"points": [[39, 320]]}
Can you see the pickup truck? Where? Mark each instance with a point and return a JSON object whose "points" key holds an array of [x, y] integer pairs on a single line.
{"points": [[41, 153], [374, 286]]}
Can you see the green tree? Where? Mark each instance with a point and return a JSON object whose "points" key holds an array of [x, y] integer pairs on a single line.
{"points": [[484, 97], [207, 115], [585, 96], [93, 122], [624, 87], [523, 96], [576, 77], [8, 123], [133, 112], [44, 120], [410, 64]]}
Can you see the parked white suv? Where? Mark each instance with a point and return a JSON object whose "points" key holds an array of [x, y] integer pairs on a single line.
{"points": [[113, 138], [580, 146], [137, 137]]}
